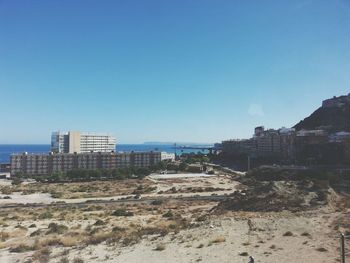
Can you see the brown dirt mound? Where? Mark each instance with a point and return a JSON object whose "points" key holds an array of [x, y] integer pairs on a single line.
{"points": [[268, 196]]}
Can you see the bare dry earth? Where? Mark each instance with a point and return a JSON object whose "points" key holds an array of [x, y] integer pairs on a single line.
{"points": [[194, 233], [230, 237], [81, 192]]}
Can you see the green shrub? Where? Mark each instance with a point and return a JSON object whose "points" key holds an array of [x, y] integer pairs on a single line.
{"points": [[99, 222], [168, 214], [122, 212], [45, 215], [57, 229], [21, 249]]}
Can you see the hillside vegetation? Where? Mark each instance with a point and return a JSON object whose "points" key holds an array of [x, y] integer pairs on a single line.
{"points": [[332, 119]]}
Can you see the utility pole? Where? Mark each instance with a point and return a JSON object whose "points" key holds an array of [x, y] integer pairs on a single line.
{"points": [[248, 163], [342, 247]]}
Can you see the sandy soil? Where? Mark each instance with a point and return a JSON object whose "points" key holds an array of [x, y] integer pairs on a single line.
{"points": [[163, 184], [179, 175], [231, 238], [4, 182], [209, 235]]}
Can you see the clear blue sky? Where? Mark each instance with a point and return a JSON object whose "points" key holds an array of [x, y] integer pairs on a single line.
{"points": [[191, 70]]}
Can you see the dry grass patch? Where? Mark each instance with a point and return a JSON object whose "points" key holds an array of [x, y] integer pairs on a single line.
{"points": [[69, 241], [42, 255], [98, 238], [55, 241], [218, 239], [78, 260], [4, 236], [64, 260]]}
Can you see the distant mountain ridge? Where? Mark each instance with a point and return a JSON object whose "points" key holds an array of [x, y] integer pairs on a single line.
{"points": [[333, 116]]}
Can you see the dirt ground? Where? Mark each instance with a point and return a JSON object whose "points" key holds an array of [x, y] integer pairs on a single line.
{"points": [[105, 190], [179, 231]]}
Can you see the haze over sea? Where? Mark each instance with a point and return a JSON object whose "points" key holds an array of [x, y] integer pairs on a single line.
{"points": [[7, 149]]}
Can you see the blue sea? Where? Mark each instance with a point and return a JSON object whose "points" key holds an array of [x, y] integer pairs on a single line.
{"points": [[7, 149]]}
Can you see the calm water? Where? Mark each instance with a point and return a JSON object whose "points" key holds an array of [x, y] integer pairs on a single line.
{"points": [[7, 149]]}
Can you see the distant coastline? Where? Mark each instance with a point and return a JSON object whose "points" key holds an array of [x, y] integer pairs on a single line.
{"points": [[178, 143]]}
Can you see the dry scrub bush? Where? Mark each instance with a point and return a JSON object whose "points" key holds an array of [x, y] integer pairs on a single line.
{"points": [[160, 247], [70, 241], [218, 239], [47, 243], [288, 234], [78, 260], [42, 255], [56, 229], [64, 260], [98, 238], [21, 248], [4, 236], [200, 246]]}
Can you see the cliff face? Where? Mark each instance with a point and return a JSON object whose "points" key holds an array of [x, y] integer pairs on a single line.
{"points": [[332, 118]]}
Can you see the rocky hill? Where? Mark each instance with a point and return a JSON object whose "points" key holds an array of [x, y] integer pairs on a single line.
{"points": [[334, 115]]}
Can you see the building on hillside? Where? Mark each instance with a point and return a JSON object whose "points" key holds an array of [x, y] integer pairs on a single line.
{"points": [[258, 131], [47, 164], [288, 140], [245, 146], [309, 145], [75, 141], [289, 146], [268, 143], [264, 143], [336, 102], [339, 137], [304, 137]]}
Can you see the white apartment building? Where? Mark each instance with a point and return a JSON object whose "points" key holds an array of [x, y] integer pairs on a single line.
{"points": [[77, 142], [167, 156]]}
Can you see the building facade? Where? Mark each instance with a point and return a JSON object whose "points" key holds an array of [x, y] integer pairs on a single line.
{"points": [[77, 142], [264, 143], [164, 156], [239, 146], [47, 164]]}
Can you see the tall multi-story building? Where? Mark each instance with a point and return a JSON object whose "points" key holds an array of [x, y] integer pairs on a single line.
{"points": [[47, 164], [288, 140], [264, 143], [239, 146], [77, 142], [267, 143]]}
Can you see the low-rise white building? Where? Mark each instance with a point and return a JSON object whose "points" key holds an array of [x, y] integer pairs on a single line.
{"points": [[164, 156]]}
